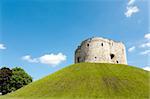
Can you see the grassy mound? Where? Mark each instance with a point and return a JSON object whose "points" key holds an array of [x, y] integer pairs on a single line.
{"points": [[89, 81]]}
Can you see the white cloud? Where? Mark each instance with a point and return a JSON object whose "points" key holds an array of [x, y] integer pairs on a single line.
{"points": [[147, 68], [147, 36], [131, 10], [147, 39], [146, 52], [52, 59], [29, 59], [147, 44], [131, 49], [2, 47], [131, 2], [49, 59]]}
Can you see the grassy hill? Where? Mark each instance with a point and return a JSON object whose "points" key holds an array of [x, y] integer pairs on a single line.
{"points": [[89, 81]]}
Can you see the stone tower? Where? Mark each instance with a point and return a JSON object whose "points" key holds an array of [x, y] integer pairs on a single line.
{"points": [[101, 50]]}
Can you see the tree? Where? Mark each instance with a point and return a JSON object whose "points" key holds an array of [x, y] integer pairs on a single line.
{"points": [[19, 78], [5, 79], [11, 80]]}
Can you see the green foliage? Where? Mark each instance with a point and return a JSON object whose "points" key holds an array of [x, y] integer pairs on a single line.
{"points": [[19, 78], [11, 80], [5, 78], [89, 81]]}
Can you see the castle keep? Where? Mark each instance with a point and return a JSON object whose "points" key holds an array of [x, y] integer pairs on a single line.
{"points": [[101, 50]]}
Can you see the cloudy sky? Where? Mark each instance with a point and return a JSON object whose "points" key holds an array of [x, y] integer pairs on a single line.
{"points": [[41, 36]]}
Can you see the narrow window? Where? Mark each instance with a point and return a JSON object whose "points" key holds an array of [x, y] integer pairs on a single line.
{"points": [[87, 45], [117, 61], [78, 59], [101, 44], [112, 56]]}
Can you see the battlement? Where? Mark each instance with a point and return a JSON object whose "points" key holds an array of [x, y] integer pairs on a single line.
{"points": [[101, 50]]}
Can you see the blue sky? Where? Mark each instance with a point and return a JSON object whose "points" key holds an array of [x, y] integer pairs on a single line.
{"points": [[41, 36]]}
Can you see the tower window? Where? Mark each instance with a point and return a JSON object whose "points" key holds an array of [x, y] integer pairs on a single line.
{"points": [[78, 59], [95, 57], [88, 45], [101, 44], [112, 56], [117, 61]]}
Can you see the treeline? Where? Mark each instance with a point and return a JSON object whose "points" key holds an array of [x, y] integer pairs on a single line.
{"points": [[13, 79]]}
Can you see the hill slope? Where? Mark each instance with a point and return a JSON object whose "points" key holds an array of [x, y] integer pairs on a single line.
{"points": [[90, 80]]}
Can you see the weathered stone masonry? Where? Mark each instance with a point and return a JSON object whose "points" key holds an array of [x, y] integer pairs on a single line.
{"points": [[101, 50]]}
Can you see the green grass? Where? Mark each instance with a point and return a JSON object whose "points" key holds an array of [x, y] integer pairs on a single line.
{"points": [[89, 81]]}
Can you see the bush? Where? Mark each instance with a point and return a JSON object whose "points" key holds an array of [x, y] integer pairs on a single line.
{"points": [[11, 80]]}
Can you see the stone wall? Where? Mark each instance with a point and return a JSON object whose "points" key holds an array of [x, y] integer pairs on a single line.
{"points": [[101, 50]]}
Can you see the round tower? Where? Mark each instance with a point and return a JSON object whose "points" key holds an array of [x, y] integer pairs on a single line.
{"points": [[101, 50]]}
